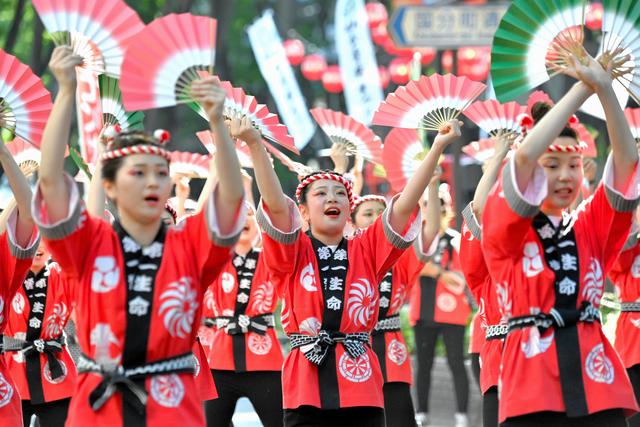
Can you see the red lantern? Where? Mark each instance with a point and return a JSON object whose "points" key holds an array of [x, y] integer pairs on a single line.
{"points": [[377, 14], [332, 80], [427, 54], [380, 35], [447, 61], [400, 70], [313, 67], [385, 77], [593, 18], [294, 49], [474, 62]]}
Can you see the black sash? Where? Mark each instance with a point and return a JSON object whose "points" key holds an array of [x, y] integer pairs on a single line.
{"points": [[561, 255], [245, 269], [333, 268], [141, 268]]}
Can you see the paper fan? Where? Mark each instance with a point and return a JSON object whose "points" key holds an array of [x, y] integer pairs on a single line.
{"points": [[482, 150], [297, 167], [529, 34], [193, 165], [633, 117], [109, 25], [345, 130], [163, 59], [427, 103], [491, 116], [585, 136], [24, 153], [242, 149], [25, 104], [82, 165], [402, 150], [113, 112]]}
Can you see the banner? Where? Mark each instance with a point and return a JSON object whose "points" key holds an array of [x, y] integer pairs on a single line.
{"points": [[275, 68], [89, 114], [358, 66]]}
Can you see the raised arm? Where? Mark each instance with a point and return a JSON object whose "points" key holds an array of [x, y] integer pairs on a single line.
{"points": [[22, 194], [502, 145], [408, 199], [211, 95], [356, 171], [339, 157], [97, 196], [208, 185], [266, 178], [432, 212]]}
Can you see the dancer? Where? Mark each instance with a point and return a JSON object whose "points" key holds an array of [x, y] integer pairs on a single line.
{"points": [[558, 368], [137, 285], [387, 340], [475, 270], [19, 242], [328, 284]]}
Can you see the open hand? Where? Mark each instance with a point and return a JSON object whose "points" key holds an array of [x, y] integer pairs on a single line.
{"points": [[593, 73], [589, 167], [63, 65], [339, 157], [210, 93], [243, 130], [448, 132], [504, 141]]}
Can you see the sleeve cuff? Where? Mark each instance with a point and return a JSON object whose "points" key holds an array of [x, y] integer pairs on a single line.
{"points": [[418, 245], [472, 222], [621, 202], [212, 222], [16, 250], [64, 227], [525, 205], [285, 238], [398, 241]]}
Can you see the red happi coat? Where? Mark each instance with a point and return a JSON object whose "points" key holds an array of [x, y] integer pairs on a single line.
{"points": [[14, 266], [625, 276], [293, 263], [202, 373], [90, 253], [390, 347], [479, 282], [57, 312], [262, 352], [525, 283]]}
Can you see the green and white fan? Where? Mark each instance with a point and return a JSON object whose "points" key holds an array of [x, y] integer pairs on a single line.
{"points": [[113, 112], [533, 43]]}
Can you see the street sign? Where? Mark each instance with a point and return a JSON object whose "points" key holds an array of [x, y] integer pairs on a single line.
{"points": [[445, 27]]}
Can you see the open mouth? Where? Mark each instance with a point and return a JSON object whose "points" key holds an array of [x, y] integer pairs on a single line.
{"points": [[564, 192], [332, 212], [152, 198], [246, 228]]}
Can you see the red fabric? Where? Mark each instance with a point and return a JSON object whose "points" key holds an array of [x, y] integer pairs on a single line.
{"points": [[12, 273], [625, 276], [531, 384], [202, 374], [56, 315], [476, 333], [263, 353]]}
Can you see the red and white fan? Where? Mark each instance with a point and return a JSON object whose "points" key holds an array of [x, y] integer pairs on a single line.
{"points": [[108, 25], [482, 150], [492, 117], [163, 59], [193, 165], [25, 104], [537, 96], [427, 103], [242, 149], [633, 117], [24, 153], [297, 167], [402, 153], [345, 130]]}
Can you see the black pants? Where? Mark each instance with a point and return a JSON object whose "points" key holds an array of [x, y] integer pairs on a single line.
{"points": [[398, 407], [634, 376], [490, 406], [50, 414], [310, 416], [262, 388], [426, 339], [475, 366], [608, 418]]}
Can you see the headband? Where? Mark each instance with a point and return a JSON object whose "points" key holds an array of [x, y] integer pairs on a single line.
{"points": [[526, 123], [348, 185], [169, 206], [251, 210], [160, 136], [369, 198]]}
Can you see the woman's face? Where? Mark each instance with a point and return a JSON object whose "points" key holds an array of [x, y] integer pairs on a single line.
{"points": [[564, 174], [250, 230], [367, 213], [328, 207], [41, 258], [141, 188]]}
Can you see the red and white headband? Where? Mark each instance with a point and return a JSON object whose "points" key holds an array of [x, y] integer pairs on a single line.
{"points": [[526, 123], [160, 136], [251, 210], [169, 206], [344, 181], [369, 198]]}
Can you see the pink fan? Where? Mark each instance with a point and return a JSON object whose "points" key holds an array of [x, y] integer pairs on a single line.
{"points": [[108, 24], [633, 117], [25, 104], [345, 130], [585, 136], [491, 116], [24, 153], [193, 165], [427, 103], [242, 149], [402, 151], [481, 150], [163, 60], [535, 97], [298, 168]]}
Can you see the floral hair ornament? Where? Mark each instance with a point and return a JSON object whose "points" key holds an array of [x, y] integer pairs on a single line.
{"points": [[526, 124], [369, 198], [335, 177], [160, 137]]}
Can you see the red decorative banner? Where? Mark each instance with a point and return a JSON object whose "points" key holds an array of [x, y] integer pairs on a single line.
{"points": [[89, 114]]}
